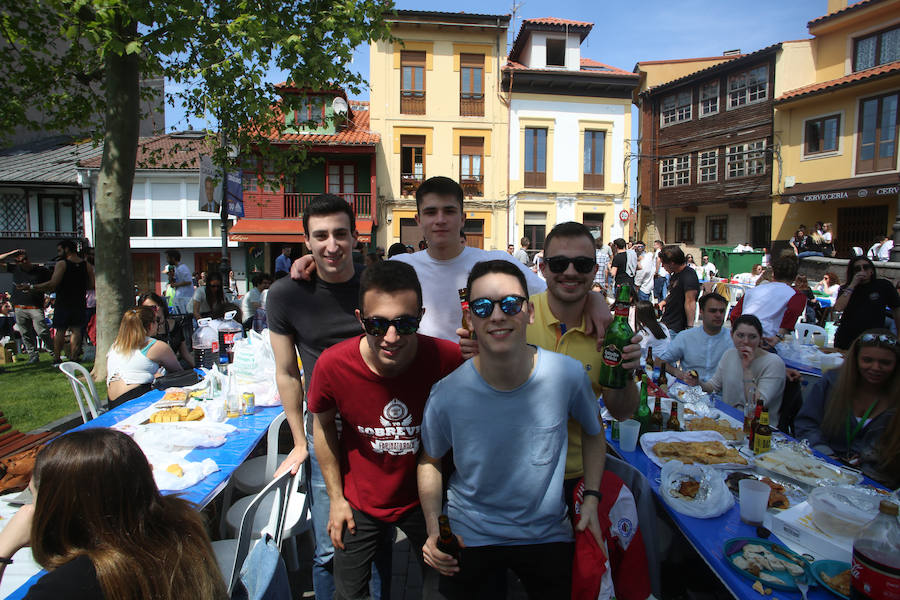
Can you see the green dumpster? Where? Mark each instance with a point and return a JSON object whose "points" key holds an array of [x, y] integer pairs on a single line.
{"points": [[731, 263]]}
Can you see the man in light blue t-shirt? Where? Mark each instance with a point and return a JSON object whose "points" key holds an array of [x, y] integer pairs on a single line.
{"points": [[700, 348], [503, 414]]}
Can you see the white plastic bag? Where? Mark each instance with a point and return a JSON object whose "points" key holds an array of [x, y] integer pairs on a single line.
{"points": [[712, 499], [167, 437], [191, 472], [254, 365]]}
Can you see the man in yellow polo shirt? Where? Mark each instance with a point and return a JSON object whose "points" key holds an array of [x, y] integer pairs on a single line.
{"points": [[569, 267]]}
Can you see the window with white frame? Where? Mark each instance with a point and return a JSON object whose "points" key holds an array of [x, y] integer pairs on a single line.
{"points": [[709, 98], [676, 108], [748, 87], [876, 49], [821, 134], [675, 171], [707, 166], [747, 159]]}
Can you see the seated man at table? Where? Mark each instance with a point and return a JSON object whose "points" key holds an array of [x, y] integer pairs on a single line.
{"points": [[777, 304], [503, 416], [379, 383], [700, 348], [569, 268]]}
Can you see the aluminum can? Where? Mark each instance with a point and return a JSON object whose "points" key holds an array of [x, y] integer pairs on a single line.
{"points": [[248, 403]]}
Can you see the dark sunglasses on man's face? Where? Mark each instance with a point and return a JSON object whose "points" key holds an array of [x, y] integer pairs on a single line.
{"points": [[483, 307], [558, 264], [379, 326]]}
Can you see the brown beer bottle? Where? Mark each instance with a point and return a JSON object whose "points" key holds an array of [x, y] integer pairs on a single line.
{"points": [[648, 365], [447, 542], [755, 422], [762, 435], [663, 381], [656, 419], [673, 424]]}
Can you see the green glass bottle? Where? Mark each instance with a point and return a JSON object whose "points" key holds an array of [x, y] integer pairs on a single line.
{"points": [[618, 335], [642, 414]]}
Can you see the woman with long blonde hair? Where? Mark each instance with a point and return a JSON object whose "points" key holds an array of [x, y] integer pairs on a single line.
{"points": [[853, 412], [102, 530], [135, 357]]}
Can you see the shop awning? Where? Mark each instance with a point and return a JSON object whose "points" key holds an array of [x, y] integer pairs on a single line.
{"points": [[283, 230], [881, 186]]}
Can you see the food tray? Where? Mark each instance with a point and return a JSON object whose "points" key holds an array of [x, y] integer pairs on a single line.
{"points": [[734, 548], [830, 568], [793, 492], [805, 470], [648, 440]]}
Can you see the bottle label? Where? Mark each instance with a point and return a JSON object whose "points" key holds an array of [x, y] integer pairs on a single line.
{"points": [[215, 346], [612, 355], [621, 310], [871, 579], [761, 443]]}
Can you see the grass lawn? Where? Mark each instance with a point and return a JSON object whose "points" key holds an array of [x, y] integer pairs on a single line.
{"points": [[32, 396]]}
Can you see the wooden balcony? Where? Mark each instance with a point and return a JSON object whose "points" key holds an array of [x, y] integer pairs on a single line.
{"points": [[412, 103], [472, 185], [277, 205], [471, 106], [409, 183]]}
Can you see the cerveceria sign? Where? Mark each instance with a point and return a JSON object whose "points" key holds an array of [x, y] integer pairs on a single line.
{"points": [[858, 192]]}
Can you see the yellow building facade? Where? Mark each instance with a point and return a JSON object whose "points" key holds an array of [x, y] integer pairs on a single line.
{"points": [[839, 127], [569, 130], [435, 99]]}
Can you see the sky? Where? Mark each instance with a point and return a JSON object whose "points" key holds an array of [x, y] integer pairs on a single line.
{"points": [[628, 31]]}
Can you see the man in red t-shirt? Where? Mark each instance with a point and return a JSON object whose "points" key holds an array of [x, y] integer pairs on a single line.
{"points": [[379, 383]]}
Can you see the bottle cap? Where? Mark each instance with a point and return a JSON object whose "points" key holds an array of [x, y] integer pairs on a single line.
{"points": [[887, 507]]}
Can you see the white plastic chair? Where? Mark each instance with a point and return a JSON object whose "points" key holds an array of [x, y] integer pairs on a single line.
{"points": [[85, 394], [262, 513], [806, 331], [253, 475], [296, 520]]}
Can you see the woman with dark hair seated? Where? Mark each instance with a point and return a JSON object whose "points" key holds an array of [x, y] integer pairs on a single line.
{"points": [[853, 413], [101, 528], [171, 333], [653, 333], [864, 301], [135, 357], [210, 296], [747, 369]]}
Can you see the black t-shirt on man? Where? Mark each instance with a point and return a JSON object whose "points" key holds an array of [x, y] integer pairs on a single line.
{"points": [[674, 316], [315, 313], [866, 309], [36, 275], [620, 261]]}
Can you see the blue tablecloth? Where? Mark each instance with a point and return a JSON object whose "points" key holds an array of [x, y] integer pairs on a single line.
{"points": [[708, 536], [238, 445]]}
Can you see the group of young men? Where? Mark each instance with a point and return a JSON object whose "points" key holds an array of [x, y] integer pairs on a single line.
{"points": [[395, 408]]}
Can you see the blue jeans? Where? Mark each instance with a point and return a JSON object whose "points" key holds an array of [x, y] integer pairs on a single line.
{"points": [[643, 296], [809, 253], [323, 557], [659, 287]]}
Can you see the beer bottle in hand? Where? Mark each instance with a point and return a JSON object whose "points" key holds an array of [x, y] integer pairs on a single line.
{"points": [[618, 335], [447, 542], [464, 304]]}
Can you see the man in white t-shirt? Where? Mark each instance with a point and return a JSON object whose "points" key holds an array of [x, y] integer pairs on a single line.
{"points": [[252, 300], [183, 281], [643, 278], [444, 266]]}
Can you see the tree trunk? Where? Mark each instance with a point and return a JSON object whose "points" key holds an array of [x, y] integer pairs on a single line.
{"points": [[115, 280]]}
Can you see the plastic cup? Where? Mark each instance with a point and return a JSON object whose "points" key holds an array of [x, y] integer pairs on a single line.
{"points": [[754, 499], [628, 435]]}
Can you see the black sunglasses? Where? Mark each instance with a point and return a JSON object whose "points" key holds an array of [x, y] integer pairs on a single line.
{"points": [[558, 264], [862, 267], [877, 339], [483, 307], [378, 326]]}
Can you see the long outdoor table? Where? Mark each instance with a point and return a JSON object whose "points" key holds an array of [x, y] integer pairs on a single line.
{"points": [[708, 536], [229, 456]]}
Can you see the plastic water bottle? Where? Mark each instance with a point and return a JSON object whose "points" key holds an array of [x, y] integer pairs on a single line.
{"points": [[205, 342], [230, 331], [875, 569]]}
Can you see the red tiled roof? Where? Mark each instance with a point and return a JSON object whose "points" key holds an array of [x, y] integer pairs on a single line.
{"points": [[556, 21], [171, 151], [612, 71], [357, 133], [884, 70], [589, 64], [743, 59], [843, 11], [360, 104]]}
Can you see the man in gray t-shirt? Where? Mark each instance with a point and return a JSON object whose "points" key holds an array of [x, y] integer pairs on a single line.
{"points": [[503, 414]]}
